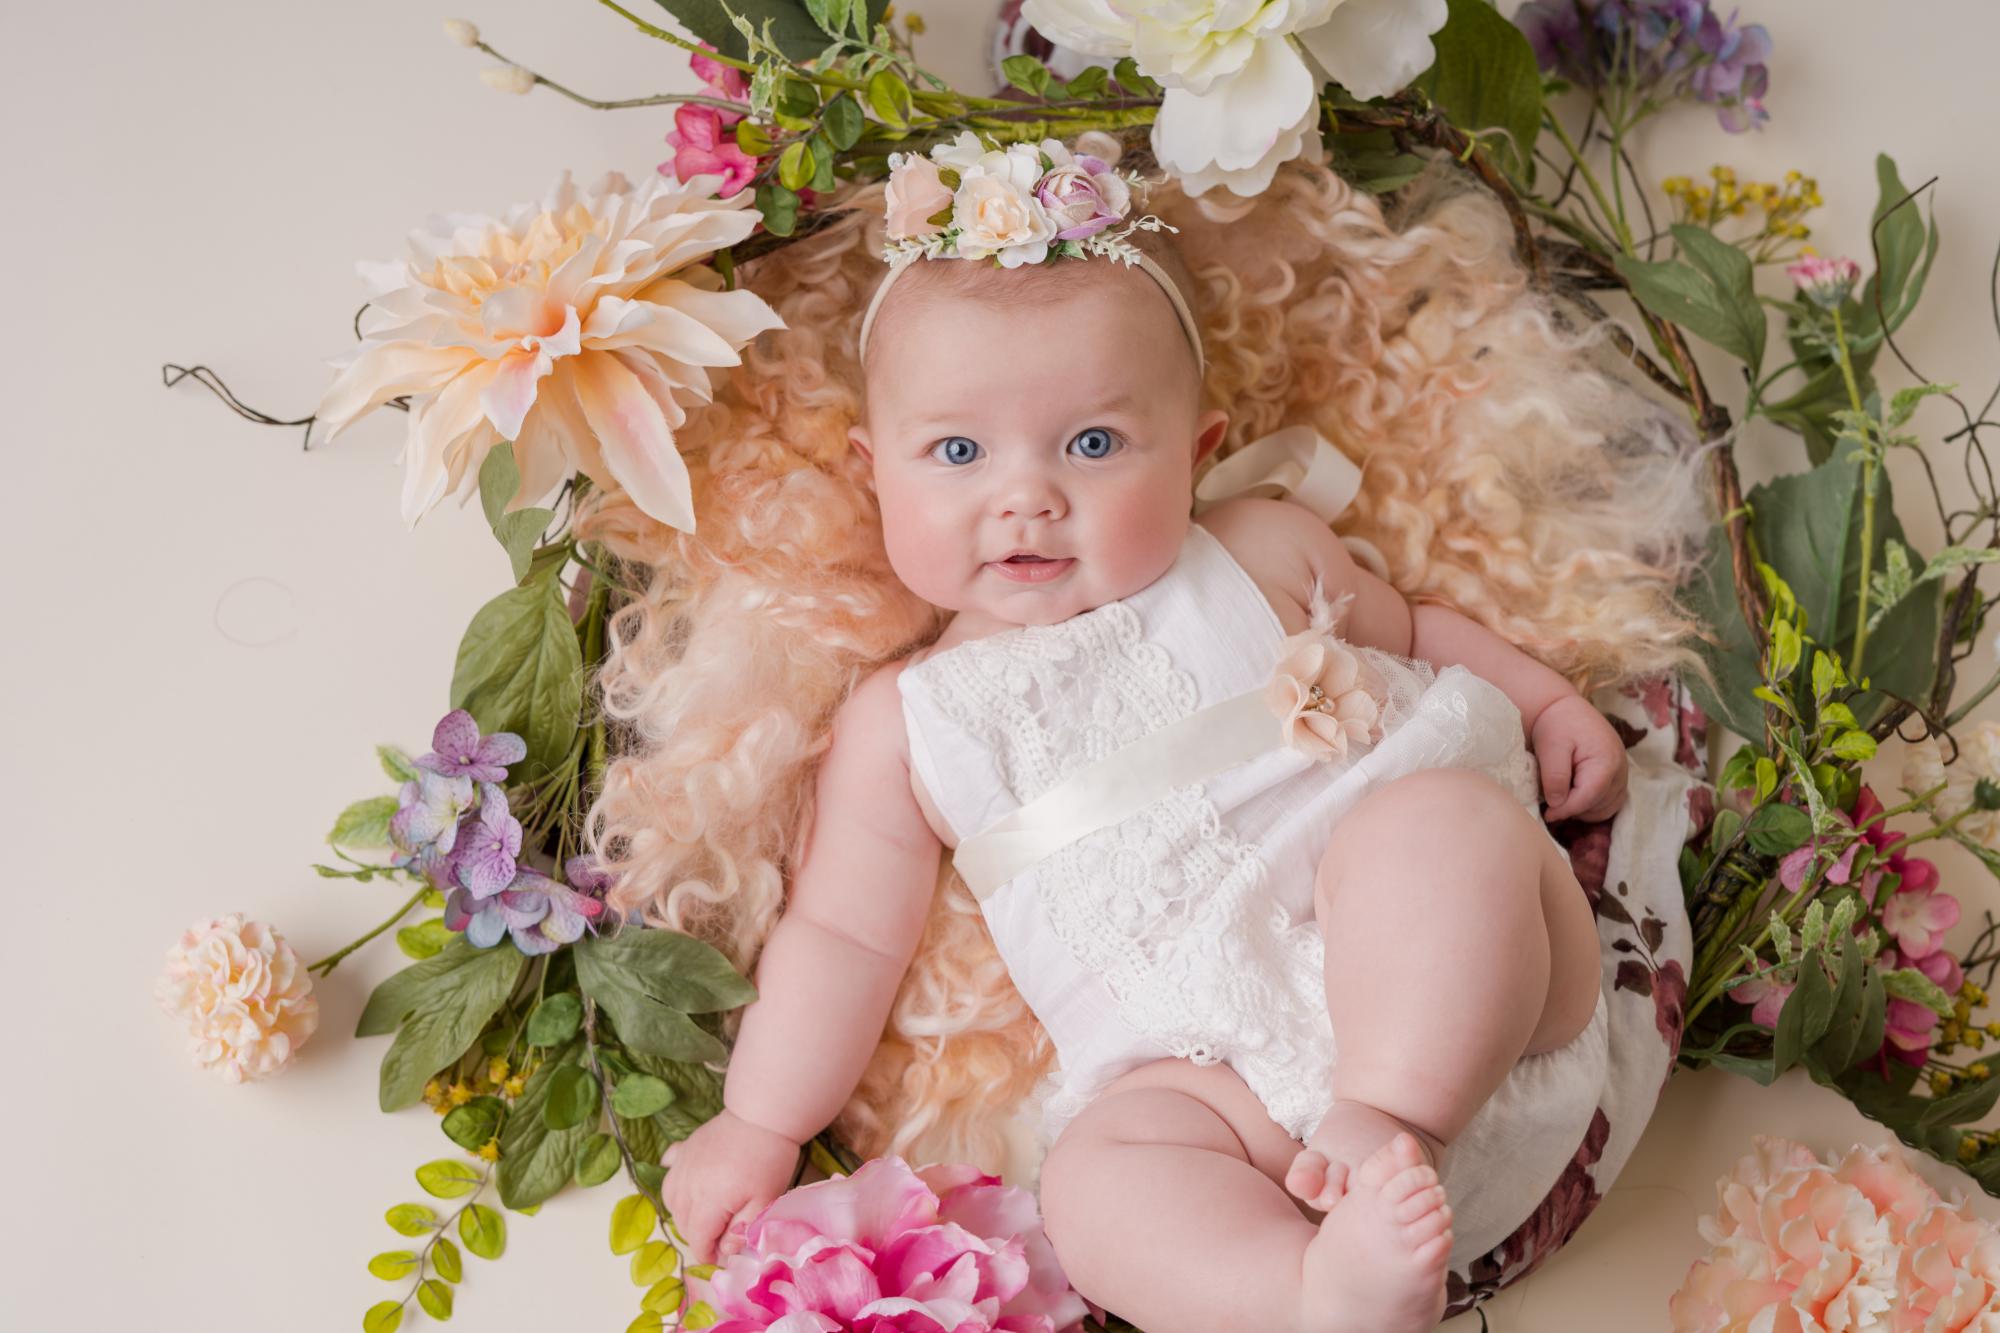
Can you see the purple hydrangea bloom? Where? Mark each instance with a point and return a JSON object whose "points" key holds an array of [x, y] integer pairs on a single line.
{"points": [[425, 827], [539, 913], [458, 750], [483, 861], [1664, 49]]}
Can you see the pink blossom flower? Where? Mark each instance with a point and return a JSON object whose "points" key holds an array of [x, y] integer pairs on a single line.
{"points": [[1823, 281], [1766, 995], [1909, 1028], [1919, 919], [1792, 870], [727, 80], [1916, 872], [702, 147], [891, 1250], [1082, 194], [1321, 691]]}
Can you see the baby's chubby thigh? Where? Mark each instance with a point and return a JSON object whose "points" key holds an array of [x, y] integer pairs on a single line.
{"points": [[1176, 1102]]}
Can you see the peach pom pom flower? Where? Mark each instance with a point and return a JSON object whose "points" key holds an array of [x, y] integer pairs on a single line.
{"points": [[1861, 1242], [244, 995], [1321, 692]]}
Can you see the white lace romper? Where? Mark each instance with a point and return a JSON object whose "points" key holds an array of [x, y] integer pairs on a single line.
{"points": [[1187, 929]]}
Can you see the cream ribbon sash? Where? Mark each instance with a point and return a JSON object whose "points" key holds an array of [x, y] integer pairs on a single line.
{"points": [[1298, 462]]}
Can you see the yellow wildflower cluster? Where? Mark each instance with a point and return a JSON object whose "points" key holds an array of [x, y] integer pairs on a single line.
{"points": [[1780, 203], [496, 1078], [1973, 1143]]}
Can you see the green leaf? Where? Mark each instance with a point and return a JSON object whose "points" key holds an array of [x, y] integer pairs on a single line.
{"points": [[1854, 746], [779, 207], [649, 1321], [793, 29], [474, 1123], [383, 1317], [1709, 292], [518, 532], [831, 15], [364, 823], [1804, 1019], [483, 1230], [396, 763], [1371, 161], [1907, 983], [664, 1296], [1962, 1105], [823, 159], [451, 1010], [1126, 73], [889, 99], [1906, 254], [412, 1219], [752, 137], [519, 669], [392, 1264], [446, 1258], [435, 1297], [1089, 83], [843, 122], [447, 1178], [650, 980], [572, 1098], [598, 1160], [426, 939], [640, 1096], [1028, 74], [1485, 78], [796, 165], [632, 1221], [536, 1161], [555, 1020], [1776, 829], [653, 1262]]}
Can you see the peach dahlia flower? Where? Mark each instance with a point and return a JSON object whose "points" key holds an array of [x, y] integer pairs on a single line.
{"points": [[580, 328], [242, 992]]}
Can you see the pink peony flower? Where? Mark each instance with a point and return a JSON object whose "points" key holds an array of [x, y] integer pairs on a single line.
{"points": [[244, 995], [891, 1250], [1324, 695], [703, 147], [916, 193], [1861, 1242], [1082, 194], [1919, 920]]}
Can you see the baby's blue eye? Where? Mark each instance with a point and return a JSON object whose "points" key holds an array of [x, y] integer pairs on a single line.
{"points": [[957, 449], [1095, 442]]}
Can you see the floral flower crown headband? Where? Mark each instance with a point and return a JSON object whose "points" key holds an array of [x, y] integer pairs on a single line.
{"points": [[1024, 204]]}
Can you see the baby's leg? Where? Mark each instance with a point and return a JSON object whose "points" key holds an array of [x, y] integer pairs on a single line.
{"points": [[1457, 941], [1163, 1202]]}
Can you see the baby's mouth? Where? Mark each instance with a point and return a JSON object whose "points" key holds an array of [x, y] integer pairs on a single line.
{"points": [[1027, 568]]}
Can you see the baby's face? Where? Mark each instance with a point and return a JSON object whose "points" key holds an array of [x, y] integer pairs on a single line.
{"points": [[1066, 426]]}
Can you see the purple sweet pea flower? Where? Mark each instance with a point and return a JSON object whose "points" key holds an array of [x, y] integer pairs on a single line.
{"points": [[1664, 49], [425, 827], [484, 860], [458, 750]]}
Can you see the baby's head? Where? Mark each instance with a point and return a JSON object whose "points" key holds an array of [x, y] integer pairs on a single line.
{"points": [[1050, 408]]}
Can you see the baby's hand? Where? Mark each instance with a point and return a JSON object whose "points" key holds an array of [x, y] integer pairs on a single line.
{"points": [[719, 1178], [1582, 761]]}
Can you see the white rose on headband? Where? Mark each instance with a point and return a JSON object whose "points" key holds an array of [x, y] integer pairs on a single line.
{"points": [[915, 195], [996, 211], [961, 154]]}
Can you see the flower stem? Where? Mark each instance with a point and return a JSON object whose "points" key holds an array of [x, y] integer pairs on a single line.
{"points": [[1623, 239], [332, 960], [1867, 501]]}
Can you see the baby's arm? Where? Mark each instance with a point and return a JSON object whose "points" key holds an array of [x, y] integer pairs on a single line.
{"points": [[827, 976], [855, 912], [1296, 545]]}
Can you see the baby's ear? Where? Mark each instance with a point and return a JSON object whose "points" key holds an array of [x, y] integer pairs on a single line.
{"points": [[1210, 427], [859, 440]]}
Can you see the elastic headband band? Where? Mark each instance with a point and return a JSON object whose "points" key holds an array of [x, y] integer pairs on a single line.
{"points": [[1145, 262]]}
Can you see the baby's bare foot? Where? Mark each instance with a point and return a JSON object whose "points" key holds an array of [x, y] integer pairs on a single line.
{"points": [[1349, 1133], [1378, 1261]]}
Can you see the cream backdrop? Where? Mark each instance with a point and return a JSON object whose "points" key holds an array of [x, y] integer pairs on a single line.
{"points": [[212, 629]]}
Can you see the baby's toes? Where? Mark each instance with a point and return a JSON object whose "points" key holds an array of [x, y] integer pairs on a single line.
{"points": [[1420, 1203], [1399, 1154]]}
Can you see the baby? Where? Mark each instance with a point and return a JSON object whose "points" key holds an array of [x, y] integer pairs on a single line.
{"points": [[1034, 432]]}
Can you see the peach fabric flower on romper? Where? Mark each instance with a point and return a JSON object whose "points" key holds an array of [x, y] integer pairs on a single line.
{"points": [[1325, 695]]}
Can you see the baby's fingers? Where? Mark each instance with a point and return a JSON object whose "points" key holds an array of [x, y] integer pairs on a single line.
{"points": [[1555, 763]]}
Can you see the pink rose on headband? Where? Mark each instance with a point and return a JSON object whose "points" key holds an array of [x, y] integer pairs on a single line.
{"points": [[916, 193], [1082, 194]]}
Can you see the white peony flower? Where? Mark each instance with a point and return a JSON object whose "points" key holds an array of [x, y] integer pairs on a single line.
{"points": [[244, 996], [1242, 77], [1978, 757]]}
